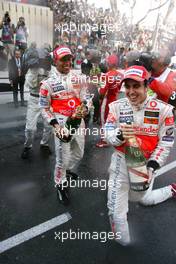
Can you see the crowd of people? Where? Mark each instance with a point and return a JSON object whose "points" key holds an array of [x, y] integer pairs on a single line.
{"points": [[82, 23], [78, 22], [13, 35], [54, 79]]}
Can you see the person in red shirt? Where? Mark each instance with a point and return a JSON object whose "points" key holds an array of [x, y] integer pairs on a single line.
{"points": [[163, 79], [109, 91]]}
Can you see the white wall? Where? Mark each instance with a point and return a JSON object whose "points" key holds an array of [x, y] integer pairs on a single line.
{"points": [[39, 20]]}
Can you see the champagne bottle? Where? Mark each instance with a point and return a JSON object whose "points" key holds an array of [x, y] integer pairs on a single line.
{"points": [[136, 165], [72, 124]]}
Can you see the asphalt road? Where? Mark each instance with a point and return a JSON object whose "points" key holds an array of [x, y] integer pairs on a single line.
{"points": [[28, 198]]}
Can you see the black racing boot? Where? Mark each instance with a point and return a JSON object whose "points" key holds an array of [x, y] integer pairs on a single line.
{"points": [[26, 153], [71, 175], [45, 149], [63, 193]]}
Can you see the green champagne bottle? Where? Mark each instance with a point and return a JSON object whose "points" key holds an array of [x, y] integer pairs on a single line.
{"points": [[136, 165], [72, 124]]}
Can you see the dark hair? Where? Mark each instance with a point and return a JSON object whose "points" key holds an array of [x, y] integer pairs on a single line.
{"points": [[167, 57], [6, 14], [145, 60], [145, 83], [7, 17]]}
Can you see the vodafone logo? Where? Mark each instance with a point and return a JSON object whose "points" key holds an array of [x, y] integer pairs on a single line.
{"points": [[71, 103], [153, 104]]}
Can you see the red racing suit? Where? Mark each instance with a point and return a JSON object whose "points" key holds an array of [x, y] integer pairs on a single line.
{"points": [[60, 94], [164, 85], [154, 125], [109, 91]]}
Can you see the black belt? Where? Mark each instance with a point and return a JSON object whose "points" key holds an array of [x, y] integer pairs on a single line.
{"points": [[35, 95]]}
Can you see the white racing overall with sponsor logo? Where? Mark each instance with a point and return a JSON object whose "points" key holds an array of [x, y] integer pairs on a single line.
{"points": [[154, 129], [60, 94], [32, 83]]}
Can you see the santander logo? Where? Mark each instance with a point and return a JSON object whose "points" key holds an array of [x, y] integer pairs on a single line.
{"points": [[149, 129]]}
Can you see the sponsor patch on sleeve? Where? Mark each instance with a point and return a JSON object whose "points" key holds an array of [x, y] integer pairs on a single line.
{"points": [[111, 118], [43, 101], [170, 131], [169, 121], [109, 126], [168, 138], [43, 92]]}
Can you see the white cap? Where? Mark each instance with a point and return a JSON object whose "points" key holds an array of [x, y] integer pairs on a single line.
{"points": [[80, 47]]}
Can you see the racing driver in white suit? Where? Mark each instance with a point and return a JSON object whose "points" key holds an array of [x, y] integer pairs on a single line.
{"points": [[60, 95], [152, 123]]}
